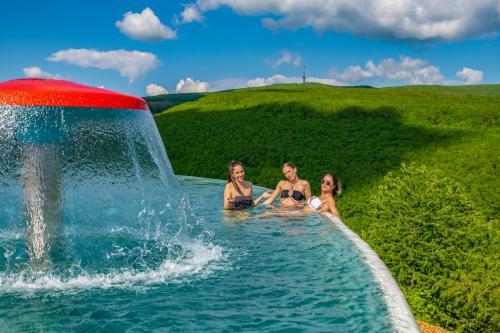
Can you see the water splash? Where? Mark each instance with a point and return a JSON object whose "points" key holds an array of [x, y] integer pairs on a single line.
{"points": [[198, 260], [98, 200]]}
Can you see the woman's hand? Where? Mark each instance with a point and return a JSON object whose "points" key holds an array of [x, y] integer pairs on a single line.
{"points": [[266, 194], [228, 197], [274, 195], [263, 195]]}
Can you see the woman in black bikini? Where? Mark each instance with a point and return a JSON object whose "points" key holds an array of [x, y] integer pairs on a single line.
{"points": [[238, 192], [292, 191]]}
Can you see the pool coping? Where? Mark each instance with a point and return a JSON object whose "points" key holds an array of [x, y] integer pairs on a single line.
{"points": [[399, 311]]}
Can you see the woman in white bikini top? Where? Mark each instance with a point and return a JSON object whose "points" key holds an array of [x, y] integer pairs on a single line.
{"points": [[325, 202]]}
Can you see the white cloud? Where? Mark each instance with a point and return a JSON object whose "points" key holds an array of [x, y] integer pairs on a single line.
{"points": [[236, 83], [470, 76], [189, 86], [278, 78], [191, 13], [324, 80], [37, 72], [290, 59], [275, 79], [155, 89], [144, 26], [404, 19], [227, 84], [406, 70], [130, 64]]}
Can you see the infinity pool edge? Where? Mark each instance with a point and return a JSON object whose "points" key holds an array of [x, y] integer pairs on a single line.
{"points": [[401, 316]]}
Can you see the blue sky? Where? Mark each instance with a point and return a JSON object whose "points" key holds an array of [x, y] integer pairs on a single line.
{"points": [[149, 47]]}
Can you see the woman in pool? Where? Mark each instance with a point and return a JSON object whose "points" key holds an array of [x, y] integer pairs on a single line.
{"points": [[238, 192], [292, 191], [325, 202]]}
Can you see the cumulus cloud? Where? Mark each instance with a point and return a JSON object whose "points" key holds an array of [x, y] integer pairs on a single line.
{"points": [[37, 72], [289, 59], [325, 80], [470, 76], [130, 64], [278, 78], [189, 86], [227, 84], [406, 70], [155, 89], [275, 79], [405, 19], [191, 13], [145, 26]]}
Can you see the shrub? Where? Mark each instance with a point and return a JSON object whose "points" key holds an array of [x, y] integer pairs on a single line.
{"points": [[428, 232]]}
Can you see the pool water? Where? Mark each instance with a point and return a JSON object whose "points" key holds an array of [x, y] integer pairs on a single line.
{"points": [[250, 271]]}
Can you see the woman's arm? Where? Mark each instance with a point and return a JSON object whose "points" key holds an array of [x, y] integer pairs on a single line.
{"points": [[274, 195], [333, 207], [263, 195], [307, 190], [228, 198], [254, 202]]}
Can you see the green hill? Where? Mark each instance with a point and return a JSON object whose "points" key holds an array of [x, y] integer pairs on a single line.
{"points": [[163, 102], [418, 164], [480, 89]]}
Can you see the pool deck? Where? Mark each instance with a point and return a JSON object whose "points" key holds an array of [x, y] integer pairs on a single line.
{"points": [[401, 316]]}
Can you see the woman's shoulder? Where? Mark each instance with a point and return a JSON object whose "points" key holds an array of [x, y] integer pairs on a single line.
{"points": [[326, 197], [330, 200], [304, 182], [281, 183]]}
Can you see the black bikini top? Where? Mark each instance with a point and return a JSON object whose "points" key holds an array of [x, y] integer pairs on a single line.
{"points": [[296, 195], [241, 202]]}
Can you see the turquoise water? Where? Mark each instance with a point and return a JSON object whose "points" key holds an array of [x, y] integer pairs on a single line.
{"points": [[116, 243], [246, 271]]}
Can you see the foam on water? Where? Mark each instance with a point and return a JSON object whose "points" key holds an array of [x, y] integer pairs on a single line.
{"points": [[120, 219], [199, 260], [11, 235]]}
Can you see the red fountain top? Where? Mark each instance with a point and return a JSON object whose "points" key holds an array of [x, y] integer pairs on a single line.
{"points": [[41, 92]]}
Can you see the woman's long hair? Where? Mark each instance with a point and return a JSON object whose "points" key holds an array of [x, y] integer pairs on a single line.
{"points": [[230, 178], [337, 189]]}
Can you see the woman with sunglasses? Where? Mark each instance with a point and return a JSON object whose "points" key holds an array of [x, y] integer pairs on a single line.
{"points": [[325, 202], [238, 192], [292, 191]]}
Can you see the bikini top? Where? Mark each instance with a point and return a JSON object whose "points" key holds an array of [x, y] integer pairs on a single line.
{"points": [[241, 202], [314, 203], [296, 195]]}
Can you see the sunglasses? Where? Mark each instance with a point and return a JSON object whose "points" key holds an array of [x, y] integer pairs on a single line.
{"points": [[326, 182]]}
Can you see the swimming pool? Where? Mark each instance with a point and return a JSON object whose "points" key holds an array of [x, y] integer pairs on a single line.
{"points": [[238, 271]]}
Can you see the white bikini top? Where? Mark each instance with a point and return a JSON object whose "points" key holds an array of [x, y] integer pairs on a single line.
{"points": [[314, 203]]}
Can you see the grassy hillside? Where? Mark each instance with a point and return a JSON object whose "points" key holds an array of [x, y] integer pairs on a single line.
{"points": [[163, 102], [418, 164], [480, 89]]}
